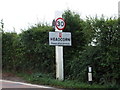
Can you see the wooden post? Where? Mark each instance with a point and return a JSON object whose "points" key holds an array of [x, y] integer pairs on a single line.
{"points": [[59, 54]]}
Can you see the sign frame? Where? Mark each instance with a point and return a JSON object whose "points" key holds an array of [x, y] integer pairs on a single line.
{"points": [[60, 39]]}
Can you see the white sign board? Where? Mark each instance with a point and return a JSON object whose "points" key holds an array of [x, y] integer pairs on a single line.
{"points": [[60, 38]]}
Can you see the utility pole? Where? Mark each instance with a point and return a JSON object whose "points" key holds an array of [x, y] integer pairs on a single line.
{"points": [[119, 9], [1, 30]]}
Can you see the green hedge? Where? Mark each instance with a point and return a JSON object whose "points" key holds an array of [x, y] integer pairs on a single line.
{"points": [[95, 42]]}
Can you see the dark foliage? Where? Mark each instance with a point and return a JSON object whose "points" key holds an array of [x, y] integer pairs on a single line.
{"points": [[95, 42]]}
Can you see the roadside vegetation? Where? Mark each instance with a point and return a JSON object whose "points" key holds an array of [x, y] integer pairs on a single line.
{"points": [[49, 80], [95, 42]]}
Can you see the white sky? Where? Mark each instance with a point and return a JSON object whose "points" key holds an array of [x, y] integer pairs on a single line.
{"points": [[21, 14]]}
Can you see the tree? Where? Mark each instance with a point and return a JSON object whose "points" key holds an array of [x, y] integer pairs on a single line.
{"points": [[74, 25]]}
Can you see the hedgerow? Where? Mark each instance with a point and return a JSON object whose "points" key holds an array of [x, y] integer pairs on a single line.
{"points": [[95, 42]]}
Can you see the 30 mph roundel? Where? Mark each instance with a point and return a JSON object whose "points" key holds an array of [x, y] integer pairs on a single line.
{"points": [[60, 23]]}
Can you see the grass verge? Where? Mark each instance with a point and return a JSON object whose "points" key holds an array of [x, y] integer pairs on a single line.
{"points": [[45, 79]]}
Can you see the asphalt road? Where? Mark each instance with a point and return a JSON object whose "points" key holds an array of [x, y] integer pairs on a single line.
{"points": [[11, 85]]}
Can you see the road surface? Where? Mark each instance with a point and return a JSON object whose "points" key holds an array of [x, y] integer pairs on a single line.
{"points": [[24, 86]]}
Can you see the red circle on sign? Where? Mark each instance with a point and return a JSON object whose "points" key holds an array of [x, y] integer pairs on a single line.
{"points": [[57, 24]]}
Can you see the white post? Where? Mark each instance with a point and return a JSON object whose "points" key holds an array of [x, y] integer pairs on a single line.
{"points": [[59, 54], [90, 74], [119, 9]]}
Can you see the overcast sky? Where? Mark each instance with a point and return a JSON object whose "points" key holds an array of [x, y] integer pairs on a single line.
{"points": [[20, 14]]}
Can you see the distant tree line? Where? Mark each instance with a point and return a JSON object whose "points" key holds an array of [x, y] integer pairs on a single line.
{"points": [[95, 42]]}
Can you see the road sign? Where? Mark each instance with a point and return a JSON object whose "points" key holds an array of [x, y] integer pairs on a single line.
{"points": [[60, 23], [60, 38]]}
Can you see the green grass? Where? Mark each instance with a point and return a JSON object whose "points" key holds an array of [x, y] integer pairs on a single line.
{"points": [[45, 79]]}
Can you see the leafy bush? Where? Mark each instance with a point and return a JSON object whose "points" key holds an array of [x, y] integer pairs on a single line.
{"points": [[95, 42]]}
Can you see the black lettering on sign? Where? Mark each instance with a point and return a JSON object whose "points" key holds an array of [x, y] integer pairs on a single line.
{"points": [[62, 23], [58, 23]]}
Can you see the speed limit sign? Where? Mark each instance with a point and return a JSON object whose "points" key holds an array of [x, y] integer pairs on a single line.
{"points": [[60, 23]]}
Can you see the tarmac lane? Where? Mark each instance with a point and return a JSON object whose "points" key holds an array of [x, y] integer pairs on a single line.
{"points": [[11, 85]]}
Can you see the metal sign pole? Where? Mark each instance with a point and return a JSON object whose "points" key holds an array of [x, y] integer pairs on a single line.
{"points": [[59, 54]]}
